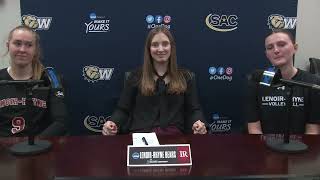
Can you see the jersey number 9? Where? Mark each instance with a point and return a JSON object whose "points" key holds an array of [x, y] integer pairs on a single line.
{"points": [[18, 124]]}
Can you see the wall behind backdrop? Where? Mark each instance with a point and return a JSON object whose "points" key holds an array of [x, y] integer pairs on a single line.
{"points": [[9, 17], [93, 43]]}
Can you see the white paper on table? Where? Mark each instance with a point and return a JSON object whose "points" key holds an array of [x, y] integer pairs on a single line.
{"points": [[151, 139]]}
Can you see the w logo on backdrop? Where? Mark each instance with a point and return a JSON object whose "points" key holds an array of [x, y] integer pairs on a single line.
{"points": [[94, 73], [37, 23], [277, 21]]}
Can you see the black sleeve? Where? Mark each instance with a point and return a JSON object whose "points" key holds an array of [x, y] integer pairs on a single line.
{"points": [[192, 105], [252, 107], [125, 104], [57, 112]]}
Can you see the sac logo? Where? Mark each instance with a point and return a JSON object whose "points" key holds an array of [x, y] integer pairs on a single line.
{"points": [[94, 123], [222, 23]]}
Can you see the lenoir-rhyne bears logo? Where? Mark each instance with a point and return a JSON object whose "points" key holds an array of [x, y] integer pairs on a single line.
{"points": [[94, 73], [36, 23], [277, 21]]}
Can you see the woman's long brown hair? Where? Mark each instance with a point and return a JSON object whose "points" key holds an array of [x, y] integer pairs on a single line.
{"points": [[177, 82]]}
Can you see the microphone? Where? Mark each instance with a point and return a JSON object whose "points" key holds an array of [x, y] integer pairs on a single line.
{"points": [[21, 82], [300, 83], [272, 77]]}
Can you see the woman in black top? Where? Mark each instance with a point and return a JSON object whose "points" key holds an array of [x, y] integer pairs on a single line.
{"points": [[267, 105], [45, 113], [158, 97]]}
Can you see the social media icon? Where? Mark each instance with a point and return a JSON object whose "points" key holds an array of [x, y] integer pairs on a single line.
{"points": [[167, 19], [158, 19], [212, 70], [220, 70], [229, 70], [150, 19]]}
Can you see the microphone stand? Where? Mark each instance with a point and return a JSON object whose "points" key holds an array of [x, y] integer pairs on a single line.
{"points": [[290, 146], [31, 146]]}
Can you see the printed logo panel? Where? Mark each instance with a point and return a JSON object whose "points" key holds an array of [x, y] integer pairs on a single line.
{"points": [[36, 23]]}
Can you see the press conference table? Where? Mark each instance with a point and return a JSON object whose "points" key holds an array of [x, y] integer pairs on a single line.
{"points": [[214, 156]]}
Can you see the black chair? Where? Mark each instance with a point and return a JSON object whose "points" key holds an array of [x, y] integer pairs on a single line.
{"points": [[124, 129], [314, 65]]}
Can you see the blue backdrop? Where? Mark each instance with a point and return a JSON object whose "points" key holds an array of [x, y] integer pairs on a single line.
{"points": [[92, 43]]}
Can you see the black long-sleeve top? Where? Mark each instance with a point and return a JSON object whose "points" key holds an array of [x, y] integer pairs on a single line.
{"points": [[137, 112]]}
